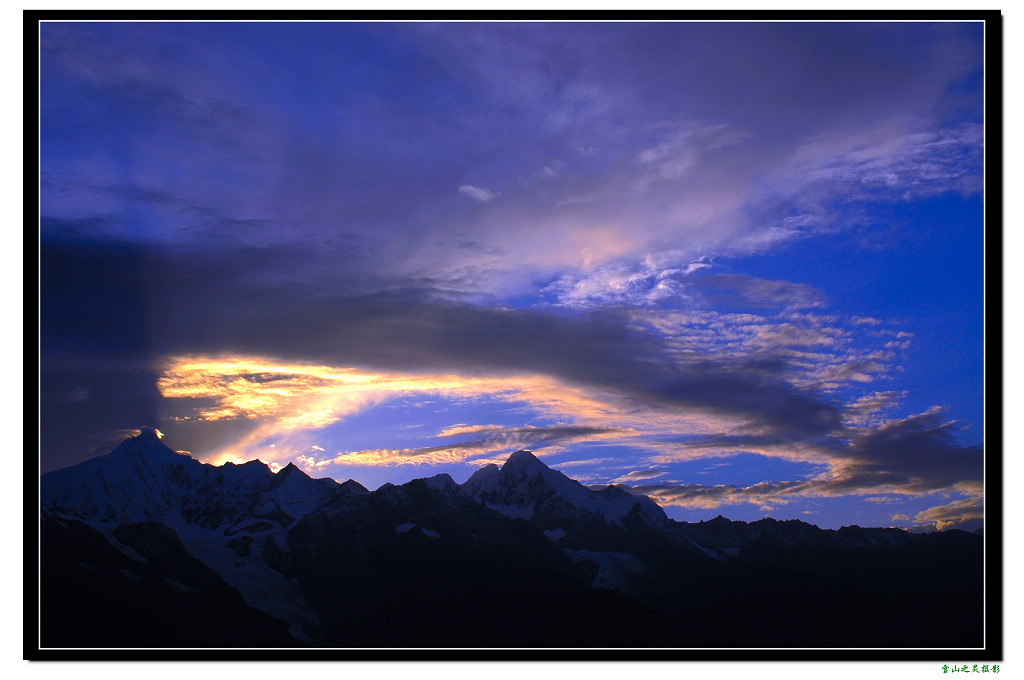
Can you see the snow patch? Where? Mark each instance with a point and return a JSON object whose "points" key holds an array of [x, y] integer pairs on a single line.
{"points": [[613, 567], [706, 551], [261, 586]]}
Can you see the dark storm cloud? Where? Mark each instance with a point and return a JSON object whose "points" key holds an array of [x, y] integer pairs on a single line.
{"points": [[916, 455], [414, 329], [111, 298]]}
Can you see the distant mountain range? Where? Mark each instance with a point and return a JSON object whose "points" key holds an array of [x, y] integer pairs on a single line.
{"points": [[146, 547]]}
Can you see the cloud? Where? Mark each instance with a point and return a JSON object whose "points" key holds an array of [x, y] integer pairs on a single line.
{"points": [[669, 277], [405, 330], [584, 462], [919, 162], [954, 515], [638, 475], [553, 169], [284, 399], [544, 440], [681, 149], [656, 371], [709, 497], [916, 454], [481, 194], [593, 372], [819, 352], [457, 430], [519, 90], [913, 456], [757, 292], [869, 408]]}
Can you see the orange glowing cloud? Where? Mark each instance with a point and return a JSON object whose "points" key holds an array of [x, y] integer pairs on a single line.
{"points": [[289, 400]]}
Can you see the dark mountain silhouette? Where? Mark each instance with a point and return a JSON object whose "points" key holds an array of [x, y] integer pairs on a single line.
{"points": [[145, 547]]}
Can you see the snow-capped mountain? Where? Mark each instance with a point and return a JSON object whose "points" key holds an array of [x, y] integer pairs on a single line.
{"points": [[509, 555], [525, 487], [231, 517], [143, 479]]}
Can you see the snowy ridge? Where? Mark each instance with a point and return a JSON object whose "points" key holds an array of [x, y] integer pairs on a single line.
{"points": [[231, 517], [264, 532], [296, 493], [614, 568], [142, 479]]}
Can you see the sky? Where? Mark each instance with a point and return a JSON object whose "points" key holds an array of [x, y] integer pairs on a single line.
{"points": [[738, 267]]}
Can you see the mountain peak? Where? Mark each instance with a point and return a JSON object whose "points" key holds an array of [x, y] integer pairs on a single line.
{"points": [[288, 472], [146, 443], [351, 486], [524, 485], [526, 462], [441, 482]]}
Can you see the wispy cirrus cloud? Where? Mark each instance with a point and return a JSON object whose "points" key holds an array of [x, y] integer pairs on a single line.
{"points": [[546, 440], [908, 161], [678, 152], [660, 279], [639, 476]]}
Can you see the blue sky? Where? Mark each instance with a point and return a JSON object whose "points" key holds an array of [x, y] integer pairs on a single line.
{"points": [[736, 266]]}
